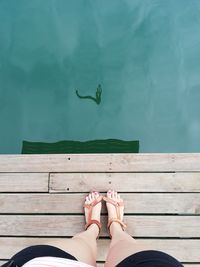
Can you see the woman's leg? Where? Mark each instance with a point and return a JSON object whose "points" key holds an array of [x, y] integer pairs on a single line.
{"points": [[83, 246], [122, 244]]}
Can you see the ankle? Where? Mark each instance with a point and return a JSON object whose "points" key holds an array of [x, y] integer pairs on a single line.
{"points": [[115, 228], [93, 229]]}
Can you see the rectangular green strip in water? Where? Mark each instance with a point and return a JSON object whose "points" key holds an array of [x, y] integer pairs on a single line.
{"points": [[73, 147]]}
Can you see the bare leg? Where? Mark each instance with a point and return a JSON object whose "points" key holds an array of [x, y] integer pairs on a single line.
{"points": [[122, 244], [83, 246]]}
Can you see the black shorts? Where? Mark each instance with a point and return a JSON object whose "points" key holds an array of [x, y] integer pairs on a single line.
{"points": [[32, 252], [150, 258]]}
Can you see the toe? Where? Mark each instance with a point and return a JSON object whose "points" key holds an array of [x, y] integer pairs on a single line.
{"points": [[87, 200], [109, 193], [93, 196], [96, 194], [90, 197], [113, 194]]}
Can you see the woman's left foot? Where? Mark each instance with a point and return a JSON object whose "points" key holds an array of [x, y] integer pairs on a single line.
{"points": [[115, 207], [92, 207]]}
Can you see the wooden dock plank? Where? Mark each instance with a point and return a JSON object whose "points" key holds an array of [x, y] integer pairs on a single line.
{"points": [[157, 162], [152, 186], [176, 248], [61, 225], [132, 182], [183, 250], [24, 182], [143, 203], [102, 264]]}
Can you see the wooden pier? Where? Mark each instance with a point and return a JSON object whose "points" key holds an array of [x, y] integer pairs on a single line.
{"points": [[41, 198]]}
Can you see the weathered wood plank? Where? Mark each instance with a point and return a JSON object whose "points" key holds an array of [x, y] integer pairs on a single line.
{"points": [[100, 264], [186, 265], [24, 182], [183, 250], [158, 203], [101, 162], [125, 182], [180, 249], [139, 226]]}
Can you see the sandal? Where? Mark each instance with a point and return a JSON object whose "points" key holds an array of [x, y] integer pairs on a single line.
{"points": [[118, 219], [90, 207]]}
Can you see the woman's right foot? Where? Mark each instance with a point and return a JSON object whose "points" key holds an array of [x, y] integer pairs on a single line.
{"points": [[93, 210]]}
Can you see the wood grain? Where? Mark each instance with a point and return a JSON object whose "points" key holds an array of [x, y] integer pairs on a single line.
{"points": [[183, 250], [132, 182], [42, 196], [24, 182], [102, 264], [156, 162], [138, 226], [143, 203]]}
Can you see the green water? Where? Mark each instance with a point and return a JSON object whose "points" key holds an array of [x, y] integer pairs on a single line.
{"points": [[145, 54]]}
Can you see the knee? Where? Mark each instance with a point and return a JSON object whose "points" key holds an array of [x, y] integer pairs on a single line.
{"points": [[84, 241]]}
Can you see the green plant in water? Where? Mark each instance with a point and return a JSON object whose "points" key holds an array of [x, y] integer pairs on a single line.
{"points": [[96, 99]]}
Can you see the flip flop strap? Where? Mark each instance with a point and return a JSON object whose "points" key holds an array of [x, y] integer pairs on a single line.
{"points": [[123, 225], [95, 222], [94, 203], [118, 203]]}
